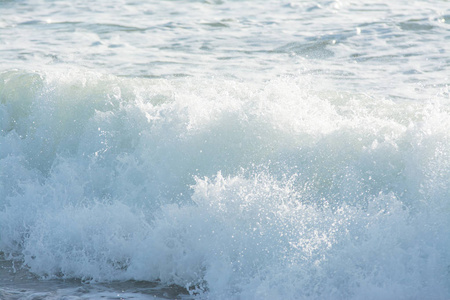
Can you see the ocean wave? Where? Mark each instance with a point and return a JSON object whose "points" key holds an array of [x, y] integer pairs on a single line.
{"points": [[231, 189]]}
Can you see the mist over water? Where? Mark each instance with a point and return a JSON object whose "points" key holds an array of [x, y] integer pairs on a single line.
{"points": [[224, 150]]}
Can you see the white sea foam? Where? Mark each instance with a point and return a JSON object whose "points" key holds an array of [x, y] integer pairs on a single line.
{"points": [[232, 189]]}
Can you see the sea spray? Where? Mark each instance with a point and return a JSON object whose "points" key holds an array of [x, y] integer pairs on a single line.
{"points": [[231, 189]]}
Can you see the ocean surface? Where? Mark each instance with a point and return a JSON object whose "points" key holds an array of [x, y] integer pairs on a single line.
{"points": [[224, 149]]}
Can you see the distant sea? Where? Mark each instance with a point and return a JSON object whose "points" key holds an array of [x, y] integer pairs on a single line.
{"points": [[224, 149]]}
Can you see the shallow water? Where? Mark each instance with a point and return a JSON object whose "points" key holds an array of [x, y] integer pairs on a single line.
{"points": [[17, 283], [224, 150]]}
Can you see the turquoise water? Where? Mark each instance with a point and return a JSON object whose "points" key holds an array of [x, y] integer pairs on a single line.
{"points": [[224, 150]]}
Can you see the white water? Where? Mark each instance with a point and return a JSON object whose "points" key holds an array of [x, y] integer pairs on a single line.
{"points": [[239, 150]]}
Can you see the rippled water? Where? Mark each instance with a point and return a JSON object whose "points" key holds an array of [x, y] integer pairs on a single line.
{"points": [[397, 49], [225, 149]]}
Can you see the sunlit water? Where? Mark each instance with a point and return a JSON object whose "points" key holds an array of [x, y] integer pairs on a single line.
{"points": [[224, 149]]}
